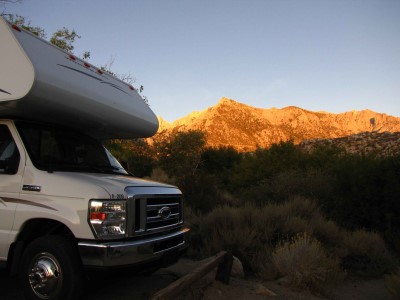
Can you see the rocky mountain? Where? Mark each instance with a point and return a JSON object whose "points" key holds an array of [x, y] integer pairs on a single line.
{"points": [[382, 143], [230, 123]]}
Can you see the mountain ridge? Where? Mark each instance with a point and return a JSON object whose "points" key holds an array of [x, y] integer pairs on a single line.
{"points": [[231, 123]]}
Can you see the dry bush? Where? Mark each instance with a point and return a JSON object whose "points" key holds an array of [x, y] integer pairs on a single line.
{"points": [[193, 220], [158, 174], [366, 254], [192, 217], [292, 225], [328, 234], [300, 206], [269, 224], [392, 283], [290, 218], [227, 199], [233, 229], [252, 233], [306, 265]]}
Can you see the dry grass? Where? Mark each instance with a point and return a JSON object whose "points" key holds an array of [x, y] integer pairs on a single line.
{"points": [[258, 236], [305, 263], [392, 283], [160, 175], [366, 254]]}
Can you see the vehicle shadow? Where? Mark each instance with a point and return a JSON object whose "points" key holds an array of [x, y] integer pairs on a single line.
{"points": [[9, 288], [102, 286]]}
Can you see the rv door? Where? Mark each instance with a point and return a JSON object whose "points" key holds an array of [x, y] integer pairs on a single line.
{"points": [[11, 171]]}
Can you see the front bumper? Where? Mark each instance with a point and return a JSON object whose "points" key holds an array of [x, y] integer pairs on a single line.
{"points": [[129, 253]]}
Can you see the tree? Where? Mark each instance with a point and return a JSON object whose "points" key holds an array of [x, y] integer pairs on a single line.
{"points": [[64, 39], [25, 24], [137, 154], [179, 154], [128, 78]]}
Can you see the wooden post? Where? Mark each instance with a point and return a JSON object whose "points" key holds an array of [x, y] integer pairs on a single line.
{"points": [[176, 287], [225, 268]]}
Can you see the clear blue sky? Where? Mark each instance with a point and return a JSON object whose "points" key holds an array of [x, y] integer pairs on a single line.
{"points": [[331, 55]]}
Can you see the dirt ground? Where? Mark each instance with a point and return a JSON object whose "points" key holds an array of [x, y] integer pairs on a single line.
{"points": [[255, 289], [124, 287]]}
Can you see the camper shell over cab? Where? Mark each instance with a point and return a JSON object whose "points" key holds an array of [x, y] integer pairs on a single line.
{"points": [[40, 81], [66, 204]]}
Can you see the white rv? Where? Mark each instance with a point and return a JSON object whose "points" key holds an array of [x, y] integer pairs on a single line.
{"points": [[66, 204]]}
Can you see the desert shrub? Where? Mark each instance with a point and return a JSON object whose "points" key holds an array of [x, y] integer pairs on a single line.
{"points": [[158, 174], [366, 254], [301, 207], [252, 233], [306, 264], [328, 233], [277, 222], [232, 229], [392, 283], [193, 219]]}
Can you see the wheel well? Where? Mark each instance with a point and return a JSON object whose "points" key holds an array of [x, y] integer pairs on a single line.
{"points": [[31, 230], [35, 228]]}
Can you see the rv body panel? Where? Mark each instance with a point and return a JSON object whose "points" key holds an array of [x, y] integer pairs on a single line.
{"points": [[54, 86]]}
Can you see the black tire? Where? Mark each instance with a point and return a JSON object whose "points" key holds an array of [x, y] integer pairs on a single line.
{"points": [[51, 269]]}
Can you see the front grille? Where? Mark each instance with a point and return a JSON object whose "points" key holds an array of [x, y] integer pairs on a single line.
{"points": [[171, 207], [157, 213]]}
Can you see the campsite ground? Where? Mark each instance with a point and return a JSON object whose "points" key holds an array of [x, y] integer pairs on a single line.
{"points": [[143, 287]]}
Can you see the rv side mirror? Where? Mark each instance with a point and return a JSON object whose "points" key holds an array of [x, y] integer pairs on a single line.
{"points": [[125, 165]]}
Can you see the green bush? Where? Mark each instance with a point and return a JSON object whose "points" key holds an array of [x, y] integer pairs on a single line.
{"points": [[366, 193]]}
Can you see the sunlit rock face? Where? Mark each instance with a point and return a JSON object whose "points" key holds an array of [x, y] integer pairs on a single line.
{"points": [[230, 123]]}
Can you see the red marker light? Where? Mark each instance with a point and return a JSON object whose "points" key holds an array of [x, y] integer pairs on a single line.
{"points": [[86, 65], [99, 71], [132, 88], [16, 27], [71, 57], [97, 216]]}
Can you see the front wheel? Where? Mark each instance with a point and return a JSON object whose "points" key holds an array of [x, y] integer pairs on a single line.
{"points": [[51, 269]]}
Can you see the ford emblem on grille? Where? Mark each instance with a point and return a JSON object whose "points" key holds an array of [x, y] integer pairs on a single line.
{"points": [[164, 212]]}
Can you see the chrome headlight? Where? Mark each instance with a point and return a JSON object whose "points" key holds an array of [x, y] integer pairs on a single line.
{"points": [[108, 218]]}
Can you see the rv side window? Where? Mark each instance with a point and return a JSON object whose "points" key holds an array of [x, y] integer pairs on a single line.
{"points": [[9, 155]]}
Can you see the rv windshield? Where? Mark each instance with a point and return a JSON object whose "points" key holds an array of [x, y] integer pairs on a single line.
{"points": [[53, 148]]}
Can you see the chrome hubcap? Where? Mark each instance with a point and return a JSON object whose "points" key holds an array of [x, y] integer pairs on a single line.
{"points": [[45, 276]]}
